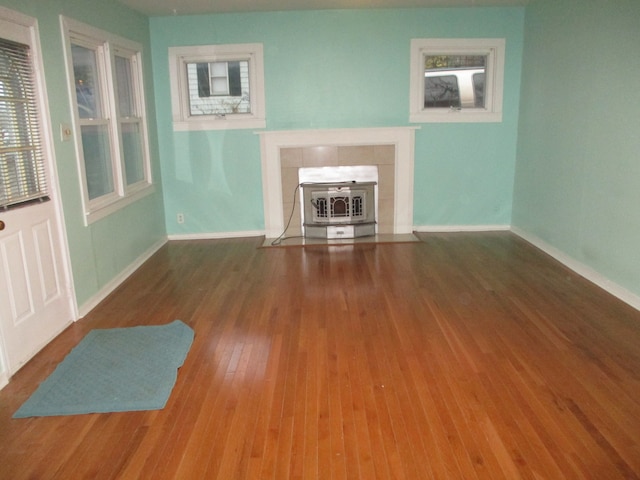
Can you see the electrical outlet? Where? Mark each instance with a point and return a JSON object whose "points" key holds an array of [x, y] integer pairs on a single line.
{"points": [[180, 218]]}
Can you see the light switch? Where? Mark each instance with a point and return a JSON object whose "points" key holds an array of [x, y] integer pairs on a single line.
{"points": [[65, 132]]}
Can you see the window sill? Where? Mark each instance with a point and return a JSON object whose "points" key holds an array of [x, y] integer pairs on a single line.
{"points": [[218, 124], [103, 211], [456, 116]]}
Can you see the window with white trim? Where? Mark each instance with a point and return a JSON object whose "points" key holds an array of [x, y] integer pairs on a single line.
{"points": [[217, 87], [109, 117], [456, 80]]}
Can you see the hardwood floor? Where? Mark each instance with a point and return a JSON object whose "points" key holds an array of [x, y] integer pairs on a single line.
{"points": [[463, 356]]}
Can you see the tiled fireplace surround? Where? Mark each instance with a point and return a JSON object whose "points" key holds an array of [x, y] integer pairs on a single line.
{"points": [[390, 149], [382, 156]]}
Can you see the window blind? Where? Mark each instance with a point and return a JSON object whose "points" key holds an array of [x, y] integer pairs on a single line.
{"points": [[22, 168]]}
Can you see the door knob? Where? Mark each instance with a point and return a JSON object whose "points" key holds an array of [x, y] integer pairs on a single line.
{"points": [[1, 225]]}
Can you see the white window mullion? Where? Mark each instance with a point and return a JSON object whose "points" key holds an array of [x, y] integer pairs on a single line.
{"points": [[112, 114], [139, 94]]}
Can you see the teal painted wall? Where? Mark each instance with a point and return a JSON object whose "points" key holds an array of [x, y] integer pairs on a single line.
{"points": [[577, 184], [335, 69], [103, 250]]}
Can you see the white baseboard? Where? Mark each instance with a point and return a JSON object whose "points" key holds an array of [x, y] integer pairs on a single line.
{"points": [[461, 228], [95, 299], [581, 269], [216, 235]]}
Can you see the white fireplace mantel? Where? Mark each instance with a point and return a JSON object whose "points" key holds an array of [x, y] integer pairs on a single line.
{"points": [[401, 137]]}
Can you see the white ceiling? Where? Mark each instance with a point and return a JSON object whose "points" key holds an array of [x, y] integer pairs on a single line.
{"points": [[194, 7]]}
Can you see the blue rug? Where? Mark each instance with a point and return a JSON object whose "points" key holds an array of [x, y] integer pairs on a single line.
{"points": [[114, 370]]}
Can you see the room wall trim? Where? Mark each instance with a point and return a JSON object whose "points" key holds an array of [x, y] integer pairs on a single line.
{"points": [[581, 269], [101, 294], [216, 235], [461, 228]]}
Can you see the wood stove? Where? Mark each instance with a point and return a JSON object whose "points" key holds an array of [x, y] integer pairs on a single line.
{"points": [[338, 209]]}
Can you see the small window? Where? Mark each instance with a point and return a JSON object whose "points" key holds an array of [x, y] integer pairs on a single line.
{"points": [[217, 87], [22, 167], [105, 80], [456, 80]]}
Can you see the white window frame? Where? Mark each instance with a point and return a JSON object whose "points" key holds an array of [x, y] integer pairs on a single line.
{"points": [[107, 46], [493, 48], [179, 57]]}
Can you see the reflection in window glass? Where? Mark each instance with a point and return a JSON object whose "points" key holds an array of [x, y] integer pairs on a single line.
{"points": [[441, 91], [124, 85], [97, 160], [132, 150], [85, 73], [454, 81], [448, 62], [130, 122], [478, 88]]}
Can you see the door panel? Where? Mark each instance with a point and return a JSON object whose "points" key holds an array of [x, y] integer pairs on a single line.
{"points": [[49, 280], [19, 296], [33, 305]]}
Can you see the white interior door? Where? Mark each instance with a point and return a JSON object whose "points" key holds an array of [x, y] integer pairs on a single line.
{"points": [[36, 293], [35, 303]]}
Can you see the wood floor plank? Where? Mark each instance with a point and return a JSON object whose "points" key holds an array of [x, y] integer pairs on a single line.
{"points": [[462, 356]]}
